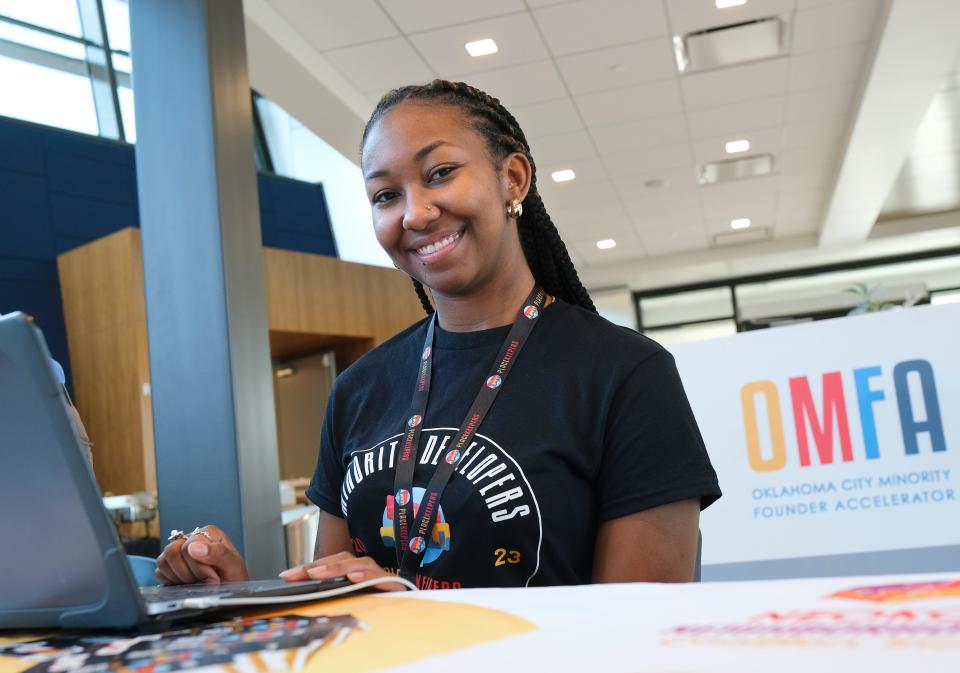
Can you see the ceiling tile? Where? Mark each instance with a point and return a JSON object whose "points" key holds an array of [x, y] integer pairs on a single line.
{"points": [[617, 67], [562, 148], [592, 24], [580, 222], [666, 242], [790, 203], [649, 160], [588, 169], [515, 35], [639, 134], [736, 118], [662, 203], [818, 180], [835, 25], [534, 4], [418, 15], [820, 103], [630, 103], [584, 195], [822, 68], [362, 65], [812, 157], [825, 131], [811, 207], [548, 118], [670, 220], [801, 227], [522, 84], [354, 22], [734, 85], [761, 209], [629, 246], [806, 4], [688, 16], [677, 179], [763, 141], [723, 197]]}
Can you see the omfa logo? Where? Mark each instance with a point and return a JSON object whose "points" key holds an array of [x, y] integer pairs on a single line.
{"points": [[414, 421], [914, 390], [417, 544], [531, 312], [494, 381], [452, 456], [426, 353], [403, 497]]}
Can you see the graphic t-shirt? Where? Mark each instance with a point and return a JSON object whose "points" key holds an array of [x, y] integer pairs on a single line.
{"points": [[592, 424]]}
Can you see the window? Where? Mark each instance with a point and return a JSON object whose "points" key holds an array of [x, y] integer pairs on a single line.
{"points": [[803, 295], [54, 65], [297, 152]]}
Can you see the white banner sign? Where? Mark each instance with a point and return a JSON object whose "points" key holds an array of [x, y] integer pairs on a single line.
{"points": [[834, 437]]}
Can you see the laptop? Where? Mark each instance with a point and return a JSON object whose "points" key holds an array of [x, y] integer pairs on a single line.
{"points": [[61, 562]]}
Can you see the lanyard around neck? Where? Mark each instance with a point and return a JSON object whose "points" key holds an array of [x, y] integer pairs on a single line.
{"points": [[410, 550]]}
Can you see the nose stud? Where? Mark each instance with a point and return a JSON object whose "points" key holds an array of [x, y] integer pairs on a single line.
{"points": [[429, 207]]}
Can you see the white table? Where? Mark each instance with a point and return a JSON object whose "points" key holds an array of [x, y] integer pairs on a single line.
{"points": [[640, 627]]}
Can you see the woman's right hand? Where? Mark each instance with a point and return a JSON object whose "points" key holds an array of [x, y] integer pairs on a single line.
{"points": [[356, 569], [207, 555]]}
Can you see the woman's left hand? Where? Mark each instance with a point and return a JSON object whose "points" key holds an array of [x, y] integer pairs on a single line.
{"points": [[356, 568]]}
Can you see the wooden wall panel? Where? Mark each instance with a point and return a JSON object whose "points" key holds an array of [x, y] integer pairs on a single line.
{"points": [[102, 289], [311, 300], [322, 295]]}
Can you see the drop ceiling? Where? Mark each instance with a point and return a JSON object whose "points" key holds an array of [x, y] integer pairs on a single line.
{"points": [[595, 85]]}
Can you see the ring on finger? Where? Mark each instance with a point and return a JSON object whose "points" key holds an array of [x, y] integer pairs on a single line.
{"points": [[198, 531]]}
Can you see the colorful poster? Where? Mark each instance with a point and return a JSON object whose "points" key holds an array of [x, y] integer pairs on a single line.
{"points": [[237, 646], [835, 437]]}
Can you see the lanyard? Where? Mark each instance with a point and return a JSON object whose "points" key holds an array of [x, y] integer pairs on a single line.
{"points": [[410, 550]]}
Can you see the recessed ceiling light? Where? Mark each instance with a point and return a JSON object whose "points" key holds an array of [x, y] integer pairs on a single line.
{"points": [[566, 175], [740, 223], [656, 183], [606, 244], [724, 4], [735, 146], [481, 47]]}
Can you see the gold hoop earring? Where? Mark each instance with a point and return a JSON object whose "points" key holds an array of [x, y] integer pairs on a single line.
{"points": [[515, 209]]}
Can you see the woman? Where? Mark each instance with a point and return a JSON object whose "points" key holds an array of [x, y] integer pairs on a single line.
{"points": [[589, 466]]}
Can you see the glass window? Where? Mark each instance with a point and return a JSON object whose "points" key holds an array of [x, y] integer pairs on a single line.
{"points": [[945, 297], [40, 40], [682, 307], [125, 97], [47, 96], [830, 293], [116, 14], [698, 331], [62, 16], [297, 152]]}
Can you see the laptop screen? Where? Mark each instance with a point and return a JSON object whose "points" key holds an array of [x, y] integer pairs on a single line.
{"points": [[51, 557]]}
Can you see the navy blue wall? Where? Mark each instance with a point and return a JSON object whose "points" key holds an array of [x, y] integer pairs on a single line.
{"points": [[60, 190]]}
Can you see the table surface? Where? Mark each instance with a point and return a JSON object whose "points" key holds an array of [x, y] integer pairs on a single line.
{"points": [[889, 623]]}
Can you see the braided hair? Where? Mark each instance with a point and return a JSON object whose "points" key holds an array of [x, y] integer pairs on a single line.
{"points": [[542, 246]]}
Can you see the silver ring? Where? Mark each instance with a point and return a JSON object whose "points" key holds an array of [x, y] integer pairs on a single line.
{"points": [[176, 535], [197, 531]]}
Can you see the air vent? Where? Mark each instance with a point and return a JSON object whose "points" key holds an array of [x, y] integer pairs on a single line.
{"points": [[728, 238], [732, 44], [735, 169]]}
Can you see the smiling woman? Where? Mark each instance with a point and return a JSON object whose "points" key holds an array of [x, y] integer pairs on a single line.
{"points": [[513, 437]]}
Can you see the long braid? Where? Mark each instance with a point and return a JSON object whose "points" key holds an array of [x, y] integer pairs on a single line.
{"points": [[542, 246], [422, 293]]}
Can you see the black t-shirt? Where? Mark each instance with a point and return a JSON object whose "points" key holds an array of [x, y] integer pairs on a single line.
{"points": [[591, 424]]}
